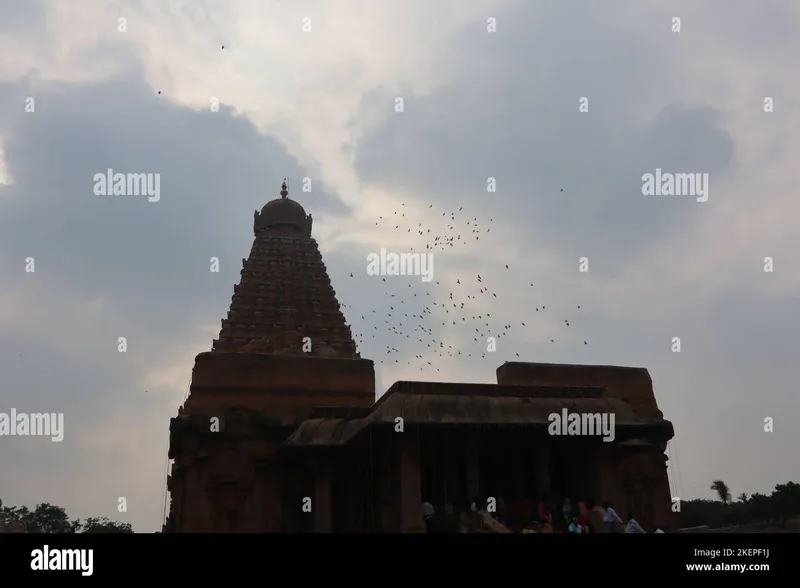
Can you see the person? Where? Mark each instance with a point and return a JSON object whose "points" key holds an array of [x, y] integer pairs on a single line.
{"points": [[583, 514], [610, 517], [502, 512], [596, 514], [465, 520], [566, 511], [633, 526], [525, 509], [478, 504], [554, 513], [428, 513], [541, 510], [532, 527], [547, 527], [450, 520], [575, 526]]}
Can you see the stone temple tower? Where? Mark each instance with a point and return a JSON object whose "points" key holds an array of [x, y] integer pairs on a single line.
{"points": [[284, 350]]}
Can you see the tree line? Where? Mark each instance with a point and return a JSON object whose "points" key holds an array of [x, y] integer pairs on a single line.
{"points": [[783, 504], [49, 518]]}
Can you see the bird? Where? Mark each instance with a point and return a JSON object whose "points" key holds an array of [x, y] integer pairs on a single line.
{"points": [[408, 331]]}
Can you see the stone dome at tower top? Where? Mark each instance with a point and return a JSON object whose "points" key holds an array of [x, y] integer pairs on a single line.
{"points": [[283, 211]]}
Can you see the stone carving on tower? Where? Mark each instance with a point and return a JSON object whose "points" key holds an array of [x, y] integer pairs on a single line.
{"points": [[285, 296]]}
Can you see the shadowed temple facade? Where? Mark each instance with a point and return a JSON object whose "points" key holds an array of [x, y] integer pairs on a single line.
{"points": [[281, 431]]}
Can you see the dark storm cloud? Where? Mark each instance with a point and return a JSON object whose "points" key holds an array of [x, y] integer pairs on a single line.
{"points": [[517, 119], [762, 26], [16, 16], [152, 259], [512, 113], [147, 262]]}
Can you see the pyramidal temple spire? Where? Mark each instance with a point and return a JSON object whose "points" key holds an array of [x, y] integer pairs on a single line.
{"points": [[285, 303]]}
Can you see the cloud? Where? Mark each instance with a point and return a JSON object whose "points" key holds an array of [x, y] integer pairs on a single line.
{"points": [[321, 104], [565, 180], [119, 266], [21, 16], [660, 267]]}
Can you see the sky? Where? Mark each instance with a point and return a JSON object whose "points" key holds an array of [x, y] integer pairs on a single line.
{"points": [[309, 89]]}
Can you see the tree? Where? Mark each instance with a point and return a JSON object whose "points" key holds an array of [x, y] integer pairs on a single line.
{"points": [[105, 525], [759, 507], [786, 500], [722, 490], [45, 518], [782, 505], [49, 518]]}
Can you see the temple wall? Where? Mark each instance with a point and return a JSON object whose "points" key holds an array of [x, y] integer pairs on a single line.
{"points": [[236, 470], [635, 480], [663, 516], [289, 408], [633, 385], [632, 479], [268, 371], [195, 513], [278, 385], [209, 498], [226, 481]]}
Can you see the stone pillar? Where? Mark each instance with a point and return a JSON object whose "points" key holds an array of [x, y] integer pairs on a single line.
{"points": [[452, 482], [662, 505], [604, 485], [473, 469], [410, 485], [322, 506], [388, 499], [226, 513], [273, 498], [542, 464]]}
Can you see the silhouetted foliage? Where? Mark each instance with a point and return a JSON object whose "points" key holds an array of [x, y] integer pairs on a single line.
{"points": [[105, 525], [722, 490], [49, 518], [781, 505]]}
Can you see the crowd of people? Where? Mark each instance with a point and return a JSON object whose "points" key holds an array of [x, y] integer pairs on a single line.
{"points": [[526, 516]]}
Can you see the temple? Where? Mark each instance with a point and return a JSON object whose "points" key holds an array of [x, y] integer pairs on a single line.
{"points": [[281, 431]]}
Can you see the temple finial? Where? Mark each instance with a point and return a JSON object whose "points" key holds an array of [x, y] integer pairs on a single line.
{"points": [[284, 189]]}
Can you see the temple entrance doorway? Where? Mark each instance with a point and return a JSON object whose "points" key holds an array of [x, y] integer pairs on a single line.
{"points": [[297, 483], [443, 470], [570, 470], [508, 468]]}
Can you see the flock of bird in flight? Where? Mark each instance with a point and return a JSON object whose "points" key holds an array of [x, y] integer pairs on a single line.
{"points": [[412, 321], [415, 315]]}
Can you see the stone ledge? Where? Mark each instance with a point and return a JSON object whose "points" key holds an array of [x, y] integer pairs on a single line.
{"points": [[265, 371], [519, 372]]}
